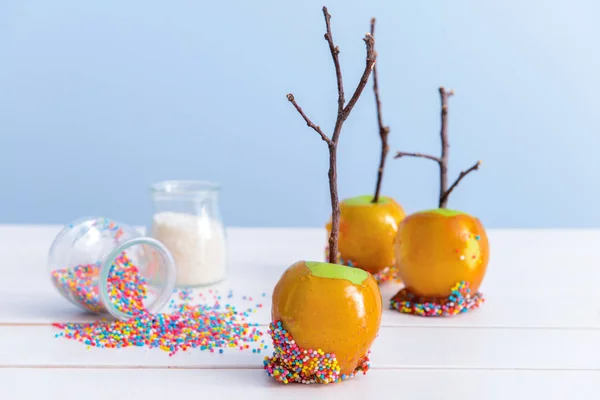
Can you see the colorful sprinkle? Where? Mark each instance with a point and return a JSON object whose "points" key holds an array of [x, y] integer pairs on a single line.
{"points": [[291, 363], [127, 290], [460, 301], [387, 274], [208, 326], [185, 294]]}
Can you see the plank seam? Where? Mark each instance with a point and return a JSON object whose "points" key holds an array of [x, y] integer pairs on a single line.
{"points": [[475, 327], [399, 368]]}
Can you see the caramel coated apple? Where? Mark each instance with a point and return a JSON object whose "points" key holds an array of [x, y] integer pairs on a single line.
{"points": [[330, 307], [367, 231], [436, 249]]}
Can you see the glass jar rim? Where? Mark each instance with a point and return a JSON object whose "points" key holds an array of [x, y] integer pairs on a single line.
{"points": [[169, 285], [184, 187]]}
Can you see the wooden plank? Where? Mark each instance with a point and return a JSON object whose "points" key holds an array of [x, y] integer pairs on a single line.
{"points": [[396, 347], [66, 384]]}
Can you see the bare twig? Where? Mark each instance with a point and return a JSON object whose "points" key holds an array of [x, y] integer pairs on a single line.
{"points": [[383, 130], [290, 97], [475, 167], [342, 115], [443, 160], [335, 51], [444, 95], [401, 154], [370, 41]]}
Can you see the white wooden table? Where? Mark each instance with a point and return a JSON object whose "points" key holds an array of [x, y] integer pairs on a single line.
{"points": [[536, 337]]}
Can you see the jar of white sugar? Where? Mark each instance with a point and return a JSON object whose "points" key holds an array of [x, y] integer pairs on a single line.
{"points": [[187, 221]]}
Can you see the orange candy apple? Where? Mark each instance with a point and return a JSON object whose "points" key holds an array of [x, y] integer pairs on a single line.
{"points": [[330, 309], [367, 232], [441, 254], [436, 249]]}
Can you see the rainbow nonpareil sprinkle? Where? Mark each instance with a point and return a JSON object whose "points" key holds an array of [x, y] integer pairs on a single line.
{"points": [[460, 301], [79, 285], [291, 363], [199, 326], [207, 326], [126, 287]]}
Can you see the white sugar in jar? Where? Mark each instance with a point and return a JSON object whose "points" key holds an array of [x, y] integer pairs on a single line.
{"points": [[188, 223]]}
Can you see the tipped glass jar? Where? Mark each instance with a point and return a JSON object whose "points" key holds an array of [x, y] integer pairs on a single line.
{"points": [[187, 220], [101, 265]]}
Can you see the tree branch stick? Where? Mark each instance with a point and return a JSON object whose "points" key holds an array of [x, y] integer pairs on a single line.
{"points": [[460, 177], [342, 115], [444, 95], [400, 154], [370, 41], [291, 99], [335, 51], [335, 205], [443, 160], [383, 130]]}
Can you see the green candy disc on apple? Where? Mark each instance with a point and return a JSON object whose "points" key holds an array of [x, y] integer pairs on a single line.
{"points": [[365, 200], [443, 212], [335, 271]]}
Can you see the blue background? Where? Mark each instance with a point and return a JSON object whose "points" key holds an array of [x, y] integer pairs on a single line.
{"points": [[100, 99]]}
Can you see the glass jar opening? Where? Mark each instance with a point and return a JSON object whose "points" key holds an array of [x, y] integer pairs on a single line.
{"points": [[184, 188], [137, 277]]}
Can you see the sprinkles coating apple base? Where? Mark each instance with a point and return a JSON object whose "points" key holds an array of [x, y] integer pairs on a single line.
{"points": [[387, 274], [291, 363], [460, 301]]}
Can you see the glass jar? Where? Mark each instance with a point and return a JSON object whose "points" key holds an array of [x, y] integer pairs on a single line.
{"points": [[101, 265], [187, 221]]}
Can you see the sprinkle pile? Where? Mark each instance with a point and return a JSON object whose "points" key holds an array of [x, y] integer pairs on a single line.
{"points": [[126, 288], [460, 301], [291, 363], [207, 326]]}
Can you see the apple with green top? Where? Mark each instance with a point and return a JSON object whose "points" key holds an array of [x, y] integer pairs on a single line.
{"points": [[438, 249], [367, 232], [332, 308], [325, 316]]}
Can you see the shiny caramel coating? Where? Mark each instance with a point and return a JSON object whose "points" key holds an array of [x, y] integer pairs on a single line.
{"points": [[367, 231], [436, 249], [335, 315]]}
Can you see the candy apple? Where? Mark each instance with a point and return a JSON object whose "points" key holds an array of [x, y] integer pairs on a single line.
{"points": [[325, 318], [367, 232], [441, 254], [436, 249]]}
